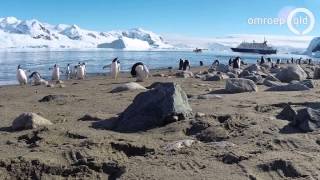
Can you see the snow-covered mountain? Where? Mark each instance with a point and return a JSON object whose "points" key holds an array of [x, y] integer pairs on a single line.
{"points": [[15, 33]]}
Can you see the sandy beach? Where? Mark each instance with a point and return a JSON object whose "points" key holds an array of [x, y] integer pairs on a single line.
{"points": [[246, 139]]}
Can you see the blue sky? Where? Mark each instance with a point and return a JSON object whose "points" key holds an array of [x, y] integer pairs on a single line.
{"points": [[197, 18]]}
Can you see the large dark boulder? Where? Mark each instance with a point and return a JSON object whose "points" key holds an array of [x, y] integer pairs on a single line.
{"points": [[289, 87], [270, 83], [239, 85], [253, 68], [223, 68], [288, 113], [316, 74], [309, 83], [290, 73], [307, 119], [164, 104], [255, 78], [213, 77]]}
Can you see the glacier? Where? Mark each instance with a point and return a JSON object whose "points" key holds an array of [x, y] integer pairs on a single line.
{"points": [[314, 47], [17, 34]]}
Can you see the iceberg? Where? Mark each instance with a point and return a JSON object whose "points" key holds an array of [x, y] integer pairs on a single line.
{"points": [[126, 44], [314, 47]]}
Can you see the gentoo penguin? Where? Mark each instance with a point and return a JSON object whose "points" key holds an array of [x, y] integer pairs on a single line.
{"points": [[186, 65], [81, 71], [85, 68], [236, 63], [262, 61], [140, 71], [278, 61], [230, 62], [21, 76], [56, 73], [37, 79], [74, 72], [201, 63], [181, 64], [216, 63], [68, 72], [269, 60], [115, 68]]}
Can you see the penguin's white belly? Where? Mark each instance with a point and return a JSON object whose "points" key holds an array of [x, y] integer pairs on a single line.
{"points": [[141, 73], [81, 73], [114, 70], [55, 74], [21, 76]]}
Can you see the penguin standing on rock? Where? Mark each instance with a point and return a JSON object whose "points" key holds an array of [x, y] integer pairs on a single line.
{"points": [[56, 73], [21, 76], [140, 71], [236, 63], [262, 61]]}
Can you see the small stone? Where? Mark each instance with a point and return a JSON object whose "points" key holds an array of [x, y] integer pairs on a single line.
{"points": [[213, 134], [159, 75], [127, 87], [61, 86], [185, 74], [50, 85], [200, 114]]}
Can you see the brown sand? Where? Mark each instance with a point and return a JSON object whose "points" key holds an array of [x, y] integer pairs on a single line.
{"points": [[259, 145]]}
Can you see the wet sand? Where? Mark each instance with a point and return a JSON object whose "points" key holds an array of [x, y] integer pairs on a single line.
{"points": [[256, 145]]}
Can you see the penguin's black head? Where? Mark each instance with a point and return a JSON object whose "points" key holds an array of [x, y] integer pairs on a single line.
{"points": [[68, 64], [84, 63], [115, 59], [55, 65], [19, 66]]}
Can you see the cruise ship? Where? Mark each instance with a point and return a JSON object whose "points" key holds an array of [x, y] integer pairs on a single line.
{"points": [[258, 48]]}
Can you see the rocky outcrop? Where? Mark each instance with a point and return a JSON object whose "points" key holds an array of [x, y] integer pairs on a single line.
{"points": [[239, 85], [164, 104], [29, 121]]}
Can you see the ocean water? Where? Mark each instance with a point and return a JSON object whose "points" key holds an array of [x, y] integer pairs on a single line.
{"points": [[41, 61]]}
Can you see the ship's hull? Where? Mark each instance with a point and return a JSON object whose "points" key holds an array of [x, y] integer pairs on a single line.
{"points": [[257, 51]]}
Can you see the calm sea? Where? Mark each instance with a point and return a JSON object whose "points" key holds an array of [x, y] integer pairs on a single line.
{"points": [[95, 59]]}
